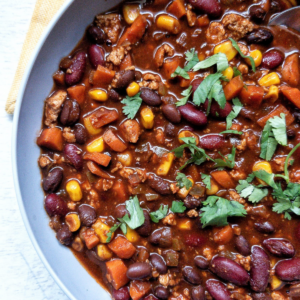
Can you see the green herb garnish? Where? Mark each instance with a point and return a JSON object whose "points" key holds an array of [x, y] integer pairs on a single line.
{"points": [[206, 180], [186, 93], [227, 161], [237, 107], [159, 214], [132, 105], [178, 207], [183, 181]]}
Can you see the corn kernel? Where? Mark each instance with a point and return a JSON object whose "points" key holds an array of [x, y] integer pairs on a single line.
{"points": [[96, 145], [74, 190], [101, 230], [262, 165], [125, 158], [132, 89], [132, 235], [293, 2], [213, 188], [166, 164], [89, 127], [270, 79], [168, 23], [98, 95], [276, 283], [186, 133], [184, 224], [130, 12], [104, 253], [227, 49], [201, 56], [257, 57], [73, 221], [228, 73], [183, 192], [147, 118], [272, 94]]}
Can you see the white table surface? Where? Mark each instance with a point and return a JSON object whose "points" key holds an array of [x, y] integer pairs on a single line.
{"points": [[22, 274]]}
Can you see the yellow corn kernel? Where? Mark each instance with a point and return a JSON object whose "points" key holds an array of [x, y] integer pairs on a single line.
{"points": [[104, 253], [257, 57], [101, 230], [168, 23], [147, 118], [132, 89], [227, 49], [130, 12], [186, 133], [73, 221], [98, 95], [125, 158], [270, 79], [132, 235], [293, 2], [213, 188], [74, 190], [183, 192], [276, 283], [201, 56], [262, 165], [228, 73], [184, 224], [96, 145], [272, 94], [89, 127], [166, 164]]}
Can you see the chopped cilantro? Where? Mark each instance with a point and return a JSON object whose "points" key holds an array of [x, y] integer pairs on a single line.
{"points": [[186, 93], [227, 161], [178, 207], [136, 218], [159, 214], [231, 132], [111, 231], [206, 180], [236, 72], [132, 105], [237, 107], [183, 181], [218, 59]]}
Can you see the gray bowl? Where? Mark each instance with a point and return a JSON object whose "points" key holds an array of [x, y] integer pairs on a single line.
{"points": [[60, 37]]}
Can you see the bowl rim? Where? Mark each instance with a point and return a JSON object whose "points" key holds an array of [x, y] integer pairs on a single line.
{"points": [[16, 118]]}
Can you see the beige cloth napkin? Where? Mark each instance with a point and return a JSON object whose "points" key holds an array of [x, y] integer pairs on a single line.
{"points": [[43, 13]]}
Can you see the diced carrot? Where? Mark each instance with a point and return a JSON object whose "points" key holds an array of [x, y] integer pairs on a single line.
{"points": [[77, 92], [116, 273], [293, 94], [51, 138], [59, 77], [96, 170], [113, 141], [252, 95], [223, 179], [203, 21], [122, 247], [138, 289], [98, 158], [126, 62], [103, 76], [224, 235], [103, 116], [90, 238], [279, 109], [177, 8], [290, 70], [237, 127], [120, 191], [135, 32], [233, 87], [170, 66], [186, 82]]}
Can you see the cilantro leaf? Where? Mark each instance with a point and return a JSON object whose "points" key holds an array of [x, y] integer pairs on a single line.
{"points": [[206, 180], [227, 161], [279, 129], [136, 218], [159, 214], [218, 59], [186, 93], [255, 194], [216, 210], [237, 107], [286, 172], [231, 132], [132, 105], [236, 72], [268, 178], [217, 93], [178, 207], [180, 72], [183, 181], [111, 231]]}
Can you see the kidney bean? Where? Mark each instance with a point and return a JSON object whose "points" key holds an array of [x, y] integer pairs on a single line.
{"points": [[217, 290], [76, 71], [150, 97], [260, 36], [195, 83], [159, 185], [192, 115], [146, 228], [211, 7], [217, 111], [198, 293], [161, 292], [272, 59], [260, 267], [124, 78], [87, 214], [257, 13], [73, 154], [114, 95], [229, 270], [264, 227], [64, 235], [96, 56], [195, 239], [158, 263], [171, 112], [242, 245], [261, 296], [161, 237], [191, 275], [56, 223], [96, 34], [54, 205], [81, 134], [201, 262], [212, 141], [139, 270], [279, 247], [288, 270], [290, 133], [53, 180], [150, 297], [70, 112], [121, 294], [121, 211], [191, 202]]}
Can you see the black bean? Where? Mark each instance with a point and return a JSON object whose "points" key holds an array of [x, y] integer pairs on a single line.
{"points": [[161, 237], [53, 180], [261, 296], [56, 223], [171, 112], [170, 130], [146, 228], [54, 205], [121, 294], [257, 13], [150, 97], [242, 245], [81, 134], [217, 290], [96, 56], [139, 270], [158, 263], [87, 214], [73, 155], [264, 227], [121, 211], [198, 293], [124, 78], [201, 262], [96, 34], [191, 202], [76, 71], [191, 275], [260, 36], [114, 95], [70, 112], [64, 235], [288, 270], [279, 247], [160, 185], [161, 292], [291, 133]]}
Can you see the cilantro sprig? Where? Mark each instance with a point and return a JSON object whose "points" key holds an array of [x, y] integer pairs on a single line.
{"points": [[226, 161], [178, 207], [218, 59], [236, 109], [186, 95], [206, 180], [158, 215], [131, 105], [183, 181]]}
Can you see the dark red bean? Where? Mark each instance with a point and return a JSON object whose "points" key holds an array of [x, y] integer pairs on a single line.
{"points": [[64, 235], [170, 130], [73, 155], [201, 262], [56, 223], [191, 275], [54, 205], [260, 269], [288, 270], [279, 247], [87, 214], [229, 270], [96, 56], [161, 292], [121, 211], [291, 133], [212, 141], [70, 112], [146, 228], [161, 237], [76, 71], [124, 78], [272, 59], [114, 95], [158, 263], [257, 13], [138, 271], [264, 227], [191, 202], [171, 112], [53, 180], [261, 296], [242, 245], [218, 112], [81, 134], [150, 297], [121, 294], [195, 83], [260, 36], [192, 115], [198, 293], [217, 290], [150, 97], [96, 34], [195, 239], [211, 7], [159, 185], [92, 256]]}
